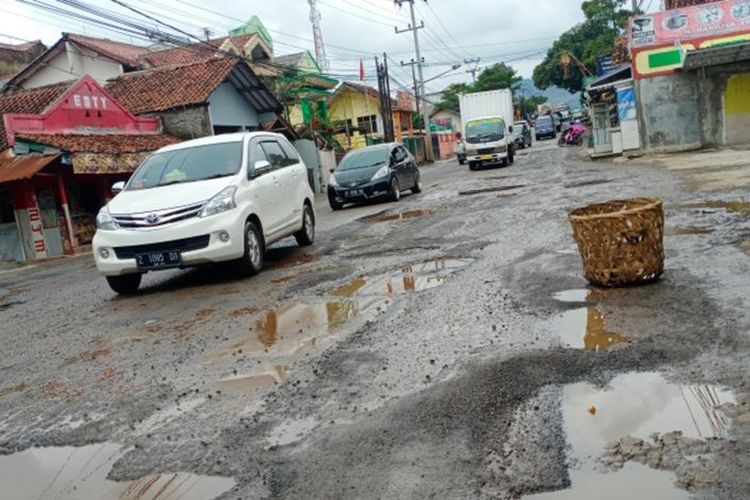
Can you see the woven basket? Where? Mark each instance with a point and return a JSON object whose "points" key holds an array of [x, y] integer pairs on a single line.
{"points": [[621, 242]]}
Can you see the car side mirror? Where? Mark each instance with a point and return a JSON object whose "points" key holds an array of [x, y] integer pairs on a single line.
{"points": [[333, 169], [117, 187], [261, 167], [510, 129]]}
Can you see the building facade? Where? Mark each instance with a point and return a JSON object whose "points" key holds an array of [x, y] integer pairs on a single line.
{"points": [[691, 66], [62, 146]]}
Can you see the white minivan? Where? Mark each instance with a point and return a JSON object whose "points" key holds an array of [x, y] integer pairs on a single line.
{"points": [[209, 200]]}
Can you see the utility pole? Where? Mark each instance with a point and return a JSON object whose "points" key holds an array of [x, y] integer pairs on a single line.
{"points": [[386, 104], [320, 48], [413, 63], [635, 6], [420, 68], [473, 71]]}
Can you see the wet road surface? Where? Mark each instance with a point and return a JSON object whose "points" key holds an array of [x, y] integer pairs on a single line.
{"points": [[441, 347]]}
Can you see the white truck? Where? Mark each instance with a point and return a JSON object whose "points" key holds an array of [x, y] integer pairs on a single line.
{"points": [[487, 119]]}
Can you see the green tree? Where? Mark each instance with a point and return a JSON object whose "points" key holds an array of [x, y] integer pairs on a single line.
{"points": [[585, 42], [497, 76], [529, 105], [450, 97]]}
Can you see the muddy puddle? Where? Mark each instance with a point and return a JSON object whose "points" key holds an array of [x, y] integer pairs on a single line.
{"points": [[68, 473], [584, 328], [688, 231], [293, 329], [737, 206], [258, 381], [499, 189], [398, 216], [410, 278], [595, 182], [633, 407]]}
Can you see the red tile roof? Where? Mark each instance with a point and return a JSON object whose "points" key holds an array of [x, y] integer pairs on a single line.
{"points": [[171, 87], [102, 143], [124, 53], [192, 53], [32, 101]]}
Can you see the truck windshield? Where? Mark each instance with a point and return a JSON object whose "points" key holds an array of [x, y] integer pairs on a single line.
{"points": [[188, 165], [487, 130]]}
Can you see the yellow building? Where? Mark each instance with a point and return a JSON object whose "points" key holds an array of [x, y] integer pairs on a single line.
{"points": [[355, 113]]}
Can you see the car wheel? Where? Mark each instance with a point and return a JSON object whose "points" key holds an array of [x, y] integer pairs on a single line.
{"points": [[461, 162], [127, 284], [395, 190], [417, 185], [472, 166], [306, 236], [254, 251]]}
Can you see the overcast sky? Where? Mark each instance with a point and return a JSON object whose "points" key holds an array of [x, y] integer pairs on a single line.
{"points": [[494, 30]]}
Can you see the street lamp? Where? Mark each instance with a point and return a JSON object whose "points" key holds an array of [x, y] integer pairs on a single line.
{"points": [[453, 68]]}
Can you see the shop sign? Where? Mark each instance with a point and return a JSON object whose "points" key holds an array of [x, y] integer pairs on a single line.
{"points": [[90, 163], [626, 104], [698, 21]]}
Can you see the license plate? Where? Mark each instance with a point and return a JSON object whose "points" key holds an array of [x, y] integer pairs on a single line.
{"points": [[158, 260], [354, 193], [485, 157]]}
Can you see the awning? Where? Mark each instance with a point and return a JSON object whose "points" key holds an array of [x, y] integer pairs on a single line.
{"points": [[621, 74], [716, 56], [23, 167]]}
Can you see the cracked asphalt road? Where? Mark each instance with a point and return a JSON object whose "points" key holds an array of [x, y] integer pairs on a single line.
{"points": [[422, 356]]}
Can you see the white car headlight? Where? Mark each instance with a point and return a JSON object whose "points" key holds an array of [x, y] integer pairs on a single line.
{"points": [[332, 181], [105, 221], [222, 202], [383, 172]]}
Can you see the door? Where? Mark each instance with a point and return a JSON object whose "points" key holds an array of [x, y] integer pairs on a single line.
{"points": [[264, 191], [287, 177], [411, 166], [401, 168]]}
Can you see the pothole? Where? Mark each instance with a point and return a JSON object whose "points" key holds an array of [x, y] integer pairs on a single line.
{"points": [[259, 381], [410, 278], [688, 231], [595, 182], [296, 327], [81, 474], [499, 189], [632, 409], [584, 328], [398, 216]]}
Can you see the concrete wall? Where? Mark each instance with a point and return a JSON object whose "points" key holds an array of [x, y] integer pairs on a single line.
{"points": [[670, 113], [187, 123], [229, 109], [72, 63]]}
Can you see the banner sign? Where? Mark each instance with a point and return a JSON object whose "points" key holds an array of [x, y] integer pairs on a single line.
{"points": [[86, 163], [605, 65], [698, 21]]}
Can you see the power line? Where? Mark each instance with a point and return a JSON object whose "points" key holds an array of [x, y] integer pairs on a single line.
{"points": [[437, 18]]}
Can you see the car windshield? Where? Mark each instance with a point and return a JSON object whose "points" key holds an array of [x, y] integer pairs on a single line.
{"points": [[546, 121], [364, 158], [518, 129], [188, 165], [487, 130]]}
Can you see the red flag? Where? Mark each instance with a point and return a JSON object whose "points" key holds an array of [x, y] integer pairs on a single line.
{"points": [[361, 70]]}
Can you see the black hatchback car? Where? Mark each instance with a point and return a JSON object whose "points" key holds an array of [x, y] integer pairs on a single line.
{"points": [[381, 171], [545, 128]]}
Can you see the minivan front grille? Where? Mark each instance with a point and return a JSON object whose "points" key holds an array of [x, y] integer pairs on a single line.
{"points": [[183, 245], [158, 218]]}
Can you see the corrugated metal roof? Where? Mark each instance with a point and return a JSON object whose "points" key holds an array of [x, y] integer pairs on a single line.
{"points": [[716, 56], [23, 167]]}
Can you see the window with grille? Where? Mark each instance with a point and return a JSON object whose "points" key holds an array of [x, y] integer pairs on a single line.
{"points": [[369, 124]]}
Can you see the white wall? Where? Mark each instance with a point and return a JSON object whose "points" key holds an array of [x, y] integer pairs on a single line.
{"points": [[229, 109], [73, 63]]}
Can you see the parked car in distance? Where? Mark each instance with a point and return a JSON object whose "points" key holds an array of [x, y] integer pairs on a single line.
{"points": [[381, 171], [545, 128], [522, 134], [216, 199]]}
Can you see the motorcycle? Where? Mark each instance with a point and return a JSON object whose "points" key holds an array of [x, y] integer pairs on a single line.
{"points": [[573, 136]]}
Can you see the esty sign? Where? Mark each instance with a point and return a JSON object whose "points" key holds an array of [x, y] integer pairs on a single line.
{"points": [[89, 101]]}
